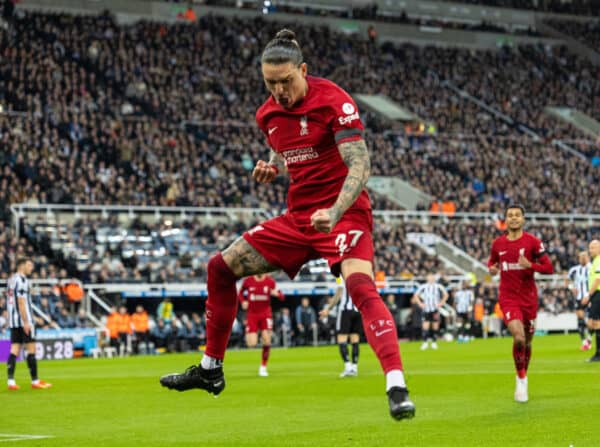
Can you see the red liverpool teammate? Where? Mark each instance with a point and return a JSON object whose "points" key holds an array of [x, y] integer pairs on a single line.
{"points": [[517, 255], [315, 133], [255, 296]]}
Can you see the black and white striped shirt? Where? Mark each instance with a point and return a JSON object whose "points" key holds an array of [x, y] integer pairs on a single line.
{"points": [[18, 287], [463, 299], [579, 275], [431, 295], [345, 301]]}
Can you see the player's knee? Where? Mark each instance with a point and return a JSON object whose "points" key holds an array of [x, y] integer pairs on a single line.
{"points": [[519, 340]]}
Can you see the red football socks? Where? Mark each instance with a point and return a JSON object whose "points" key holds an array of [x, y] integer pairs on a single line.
{"points": [[378, 323], [266, 350], [221, 306], [519, 356]]}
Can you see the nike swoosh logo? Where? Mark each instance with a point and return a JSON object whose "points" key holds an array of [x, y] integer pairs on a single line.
{"points": [[380, 333], [272, 130], [502, 253]]}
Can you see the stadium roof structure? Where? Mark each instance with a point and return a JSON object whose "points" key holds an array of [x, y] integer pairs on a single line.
{"points": [[576, 118], [386, 107]]}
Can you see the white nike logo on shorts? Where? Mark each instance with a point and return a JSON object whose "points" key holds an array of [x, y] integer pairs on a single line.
{"points": [[272, 130], [380, 333]]}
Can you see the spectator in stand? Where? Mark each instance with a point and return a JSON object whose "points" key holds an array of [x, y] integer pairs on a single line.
{"points": [[141, 334], [161, 336], [189, 335], [306, 322], [81, 320], [65, 320], [113, 321], [284, 326], [200, 327], [165, 311], [327, 319]]}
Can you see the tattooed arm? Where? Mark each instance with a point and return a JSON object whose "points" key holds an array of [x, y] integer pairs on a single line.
{"points": [[356, 157], [266, 172]]}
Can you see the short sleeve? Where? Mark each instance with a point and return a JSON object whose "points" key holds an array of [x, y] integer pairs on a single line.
{"points": [[21, 289], [345, 118]]}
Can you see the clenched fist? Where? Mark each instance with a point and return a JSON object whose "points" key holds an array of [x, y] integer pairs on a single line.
{"points": [[264, 172], [323, 220]]}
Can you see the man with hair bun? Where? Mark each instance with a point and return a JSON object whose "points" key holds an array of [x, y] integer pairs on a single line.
{"points": [[316, 137]]}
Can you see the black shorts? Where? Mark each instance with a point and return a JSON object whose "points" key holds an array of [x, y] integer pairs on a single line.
{"points": [[18, 335], [594, 312], [463, 316], [579, 306], [432, 317], [348, 322]]}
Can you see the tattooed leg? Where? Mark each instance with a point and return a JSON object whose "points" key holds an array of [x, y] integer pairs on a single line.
{"points": [[224, 269], [243, 259]]}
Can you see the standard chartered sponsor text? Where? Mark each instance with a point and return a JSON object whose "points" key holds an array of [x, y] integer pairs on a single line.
{"points": [[299, 155]]}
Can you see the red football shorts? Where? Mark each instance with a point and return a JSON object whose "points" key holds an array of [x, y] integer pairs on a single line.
{"points": [[282, 243], [258, 322], [515, 310]]}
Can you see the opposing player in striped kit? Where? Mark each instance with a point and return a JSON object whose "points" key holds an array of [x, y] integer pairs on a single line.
{"points": [[348, 327], [463, 303], [430, 297], [21, 323], [578, 283]]}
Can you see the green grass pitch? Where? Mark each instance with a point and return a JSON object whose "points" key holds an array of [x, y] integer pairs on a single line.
{"points": [[463, 394]]}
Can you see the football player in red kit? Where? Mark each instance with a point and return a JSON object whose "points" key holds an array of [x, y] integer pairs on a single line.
{"points": [[316, 136], [517, 255], [255, 296]]}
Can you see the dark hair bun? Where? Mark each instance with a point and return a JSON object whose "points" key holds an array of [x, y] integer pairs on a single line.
{"points": [[286, 34]]}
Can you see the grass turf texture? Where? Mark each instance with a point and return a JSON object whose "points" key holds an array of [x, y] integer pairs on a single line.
{"points": [[463, 394]]}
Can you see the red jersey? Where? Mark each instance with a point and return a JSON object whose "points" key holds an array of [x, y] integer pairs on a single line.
{"points": [[307, 136], [258, 294], [516, 282]]}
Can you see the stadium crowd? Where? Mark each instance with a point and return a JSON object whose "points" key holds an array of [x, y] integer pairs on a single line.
{"points": [[139, 120]]}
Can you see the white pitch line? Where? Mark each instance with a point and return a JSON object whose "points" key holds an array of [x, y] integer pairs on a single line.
{"points": [[15, 437]]}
